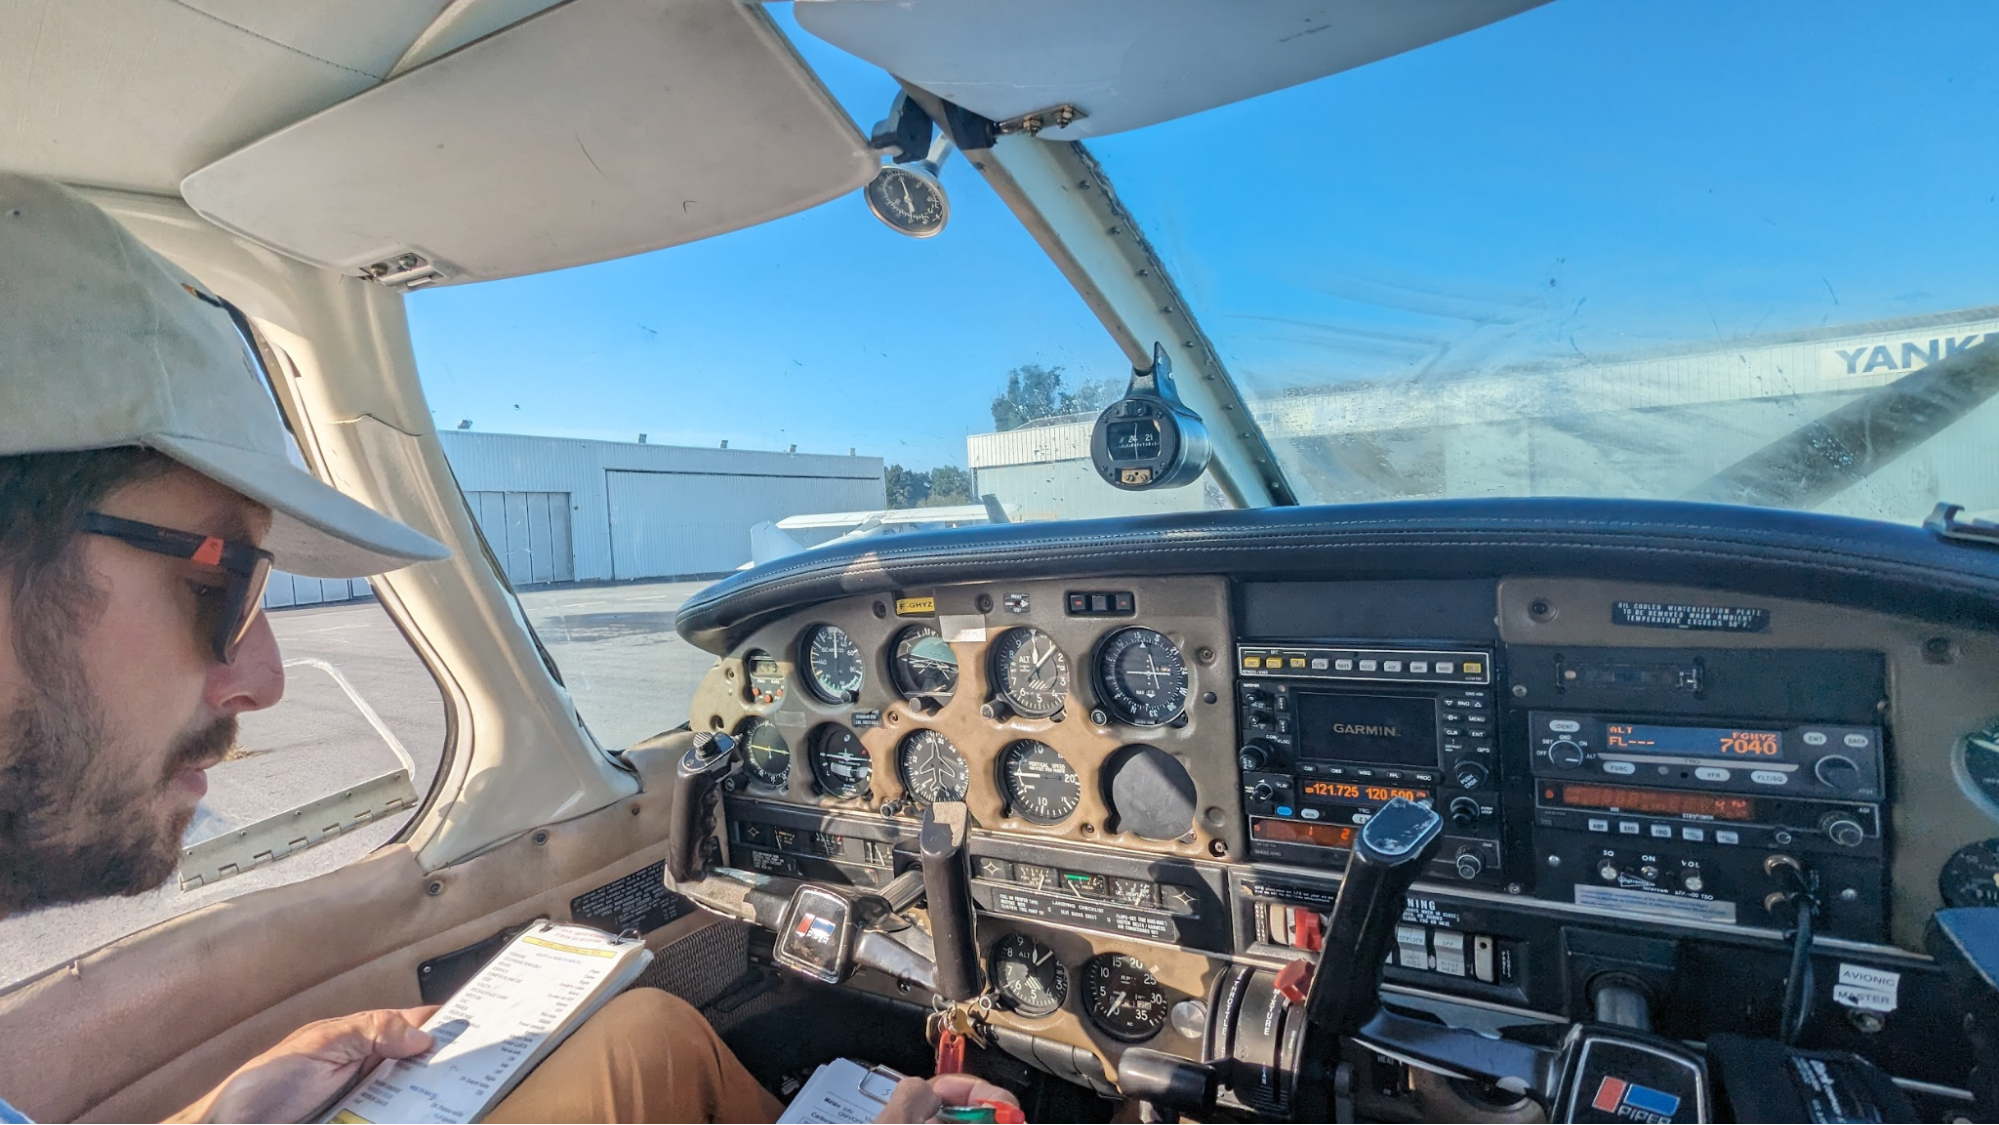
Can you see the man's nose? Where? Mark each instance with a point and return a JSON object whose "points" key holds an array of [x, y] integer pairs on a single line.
{"points": [[255, 679]]}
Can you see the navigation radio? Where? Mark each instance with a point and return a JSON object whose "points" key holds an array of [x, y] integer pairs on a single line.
{"points": [[1329, 735], [1688, 820]]}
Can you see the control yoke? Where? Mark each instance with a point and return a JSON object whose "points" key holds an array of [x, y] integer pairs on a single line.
{"points": [[824, 931], [1344, 1002]]}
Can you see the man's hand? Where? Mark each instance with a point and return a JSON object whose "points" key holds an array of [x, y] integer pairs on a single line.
{"points": [[919, 1099], [312, 1065]]}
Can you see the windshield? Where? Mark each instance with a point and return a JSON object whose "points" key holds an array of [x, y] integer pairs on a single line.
{"points": [[1691, 250]]}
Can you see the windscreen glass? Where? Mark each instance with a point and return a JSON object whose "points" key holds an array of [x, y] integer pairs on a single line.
{"points": [[1699, 250]]}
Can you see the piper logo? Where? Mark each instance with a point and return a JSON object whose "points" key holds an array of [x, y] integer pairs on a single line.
{"points": [[1633, 1102]]}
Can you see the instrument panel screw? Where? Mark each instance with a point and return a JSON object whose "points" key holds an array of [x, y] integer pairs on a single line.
{"points": [[1939, 650], [1204, 654], [1864, 1021], [435, 888], [1540, 610], [880, 610], [1514, 888], [1848, 894], [985, 603], [1554, 861], [1218, 848], [1519, 691], [541, 837]]}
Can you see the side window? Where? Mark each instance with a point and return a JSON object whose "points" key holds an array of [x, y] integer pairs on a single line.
{"points": [[331, 772]]}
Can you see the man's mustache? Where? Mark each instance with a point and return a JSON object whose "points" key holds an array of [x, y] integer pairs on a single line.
{"points": [[203, 748]]}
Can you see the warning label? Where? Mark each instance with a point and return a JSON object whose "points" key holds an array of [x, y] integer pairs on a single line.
{"points": [[1666, 615]]}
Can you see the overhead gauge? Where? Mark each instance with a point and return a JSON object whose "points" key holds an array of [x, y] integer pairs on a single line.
{"points": [[1030, 672], [1141, 677], [1029, 975], [766, 754], [909, 199], [832, 664], [1980, 757], [840, 764], [766, 678], [1970, 877], [923, 665], [1038, 782], [1123, 998], [932, 769]]}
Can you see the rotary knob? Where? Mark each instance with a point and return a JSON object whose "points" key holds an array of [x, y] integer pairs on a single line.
{"points": [[1253, 756], [1464, 812], [1264, 791], [1837, 771], [1470, 775], [1469, 864], [1843, 830], [1566, 754]]}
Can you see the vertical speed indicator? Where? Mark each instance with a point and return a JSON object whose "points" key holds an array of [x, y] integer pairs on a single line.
{"points": [[1141, 677]]}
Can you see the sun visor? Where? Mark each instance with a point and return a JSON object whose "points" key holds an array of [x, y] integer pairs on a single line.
{"points": [[1124, 64], [597, 129]]}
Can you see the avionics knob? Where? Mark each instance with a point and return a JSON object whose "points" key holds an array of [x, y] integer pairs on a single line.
{"points": [[1837, 771], [1470, 775], [1259, 717], [1468, 863], [1253, 756], [1464, 812], [1264, 791], [1566, 754], [1843, 830]]}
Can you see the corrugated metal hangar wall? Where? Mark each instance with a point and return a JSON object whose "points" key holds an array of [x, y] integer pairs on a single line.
{"points": [[560, 509]]}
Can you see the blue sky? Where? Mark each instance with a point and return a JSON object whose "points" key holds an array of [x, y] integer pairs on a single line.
{"points": [[1582, 179]]}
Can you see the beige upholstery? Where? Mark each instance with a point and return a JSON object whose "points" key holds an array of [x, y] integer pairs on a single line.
{"points": [[141, 1027]]}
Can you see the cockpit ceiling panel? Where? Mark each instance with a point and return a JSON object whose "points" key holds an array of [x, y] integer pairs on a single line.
{"points": [[1130, 63], [135, 94], [594, 130]]}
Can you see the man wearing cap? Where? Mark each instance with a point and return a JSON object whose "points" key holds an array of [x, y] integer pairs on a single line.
{"points": [[145, 493]]}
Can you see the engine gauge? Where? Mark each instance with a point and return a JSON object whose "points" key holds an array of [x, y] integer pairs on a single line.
{"points": [[923, 665], [932, 769], [766, 678], [766, 754], [1030, 671], [1141, 677], [840, 764], [1123, 998], [1970, 877], [832, 664], [1029, 975], [1038, 782]]}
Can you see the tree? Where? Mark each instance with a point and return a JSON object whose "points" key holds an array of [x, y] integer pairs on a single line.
{"points": [[906, 487], [1033, 391], [949, 484]]}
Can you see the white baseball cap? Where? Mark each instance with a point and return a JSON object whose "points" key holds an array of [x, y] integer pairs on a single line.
{"points": [[104, 343]]}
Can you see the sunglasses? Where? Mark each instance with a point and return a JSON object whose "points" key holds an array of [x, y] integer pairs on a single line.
{"points": [[225, 617]]}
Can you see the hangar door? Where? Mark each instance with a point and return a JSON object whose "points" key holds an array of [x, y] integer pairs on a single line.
{"points": [[694, 524], [529, 534]]}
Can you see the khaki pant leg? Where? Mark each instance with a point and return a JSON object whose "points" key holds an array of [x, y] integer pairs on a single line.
{"points": [[646, 1055]]}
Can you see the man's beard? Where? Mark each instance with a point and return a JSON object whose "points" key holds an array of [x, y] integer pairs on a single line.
{"points": [[75, 825]]}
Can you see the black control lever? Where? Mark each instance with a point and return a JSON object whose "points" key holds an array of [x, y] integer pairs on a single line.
{"points": [[1389, 852], [947, 890], [688, 813]]}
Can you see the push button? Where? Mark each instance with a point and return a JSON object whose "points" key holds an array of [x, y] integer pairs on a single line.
{"points": [[1598, 824], [1663, 831], [1628, 827], [1711, 773], [1768, 777], [1727, 836], [1695, 834], [1620, 767]]}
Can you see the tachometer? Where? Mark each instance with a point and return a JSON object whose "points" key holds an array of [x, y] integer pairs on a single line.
{"points": [[839, 762], [1029, 975], [1038, 783], [766, 755], [832, 664], [1141, 677], [923, 666], [1971, 876], [932, 769], [1030, 672], [1123, 997]]}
